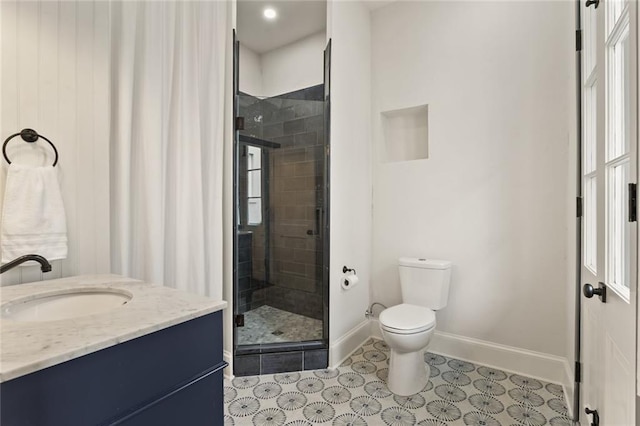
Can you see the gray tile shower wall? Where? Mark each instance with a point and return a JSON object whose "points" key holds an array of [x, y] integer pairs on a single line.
{"points": [[313, 93]]}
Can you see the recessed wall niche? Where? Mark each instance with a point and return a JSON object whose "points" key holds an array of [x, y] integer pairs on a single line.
{"points": [[406, 134]]}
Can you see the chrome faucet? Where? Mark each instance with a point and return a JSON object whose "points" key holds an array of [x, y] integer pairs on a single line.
{"points": [[45, 266]]}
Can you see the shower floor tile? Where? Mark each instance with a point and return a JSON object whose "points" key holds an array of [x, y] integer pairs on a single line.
{"points": [[267, 324], [458, 393]]}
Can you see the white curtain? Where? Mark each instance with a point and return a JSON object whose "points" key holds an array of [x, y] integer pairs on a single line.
{"points": [[167, 138]]}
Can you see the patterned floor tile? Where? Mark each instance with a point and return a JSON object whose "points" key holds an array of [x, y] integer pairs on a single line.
{"points": [[356, 394]]}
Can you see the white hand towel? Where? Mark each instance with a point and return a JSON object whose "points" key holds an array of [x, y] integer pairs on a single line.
{"points": [[33, 217]]}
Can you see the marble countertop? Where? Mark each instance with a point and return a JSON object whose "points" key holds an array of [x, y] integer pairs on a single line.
{"points": [[26, 347]]}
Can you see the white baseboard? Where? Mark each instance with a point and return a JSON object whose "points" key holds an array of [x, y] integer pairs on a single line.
{"points": [[228, 371], [375, 329], [549, 368], [342, 348], [546, 367]]}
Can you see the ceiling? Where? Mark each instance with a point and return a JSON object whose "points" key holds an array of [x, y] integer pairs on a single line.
{"points": [[296, 20]]}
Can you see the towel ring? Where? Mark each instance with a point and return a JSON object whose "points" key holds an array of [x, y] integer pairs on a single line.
{"points": [[30, 136]]}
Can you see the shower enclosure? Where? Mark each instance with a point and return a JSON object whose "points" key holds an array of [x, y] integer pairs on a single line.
{"points": [[281, 292]]}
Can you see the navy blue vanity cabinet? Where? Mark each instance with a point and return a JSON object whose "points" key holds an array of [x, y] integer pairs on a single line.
{"points": [[169, 377]]}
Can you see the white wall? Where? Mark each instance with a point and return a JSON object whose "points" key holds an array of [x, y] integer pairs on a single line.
{"points": [[294, 66], [492, 197], [55, 75], [350, 181], [286, 69], [250, 73]]}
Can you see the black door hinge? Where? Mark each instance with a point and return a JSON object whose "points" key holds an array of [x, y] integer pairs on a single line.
{"points": [[633, 203], [578, 372], [239, 320], [578, 40], [239, 123], [579, 207], [592, 2]]}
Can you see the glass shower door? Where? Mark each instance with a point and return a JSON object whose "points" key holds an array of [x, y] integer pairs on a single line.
{"points": [[281, 169]]}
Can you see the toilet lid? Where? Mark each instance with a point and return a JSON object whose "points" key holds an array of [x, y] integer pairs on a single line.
{"points": [[407, 318]]}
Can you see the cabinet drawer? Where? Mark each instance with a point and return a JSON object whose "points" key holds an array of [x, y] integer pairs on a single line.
{"points": [[200, 403]]}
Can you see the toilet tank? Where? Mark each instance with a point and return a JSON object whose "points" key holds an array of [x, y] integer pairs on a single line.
{"points": [[425, 282]]}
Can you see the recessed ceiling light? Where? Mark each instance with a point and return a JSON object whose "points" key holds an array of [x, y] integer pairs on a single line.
{"points": [[269, 13]]}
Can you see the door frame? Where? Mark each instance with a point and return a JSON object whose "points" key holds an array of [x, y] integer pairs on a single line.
{"points": [[578, 226]]}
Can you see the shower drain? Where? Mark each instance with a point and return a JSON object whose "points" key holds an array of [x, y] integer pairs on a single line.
{"points": [[277, 333]]}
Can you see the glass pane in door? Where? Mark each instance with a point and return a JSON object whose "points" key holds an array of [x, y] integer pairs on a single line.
{"points": [[618, 96], [617, 146]]}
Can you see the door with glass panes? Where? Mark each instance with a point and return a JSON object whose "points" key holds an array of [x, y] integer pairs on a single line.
{"points": [[609, 249]]}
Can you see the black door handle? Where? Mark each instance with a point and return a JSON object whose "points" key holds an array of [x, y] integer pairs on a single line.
{"points": [[590, 2], [601, 291], [317, 230], [596, 416]]}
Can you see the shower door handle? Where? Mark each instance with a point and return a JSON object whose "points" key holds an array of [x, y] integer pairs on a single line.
{"points": [[317, 230], [318, 221]]}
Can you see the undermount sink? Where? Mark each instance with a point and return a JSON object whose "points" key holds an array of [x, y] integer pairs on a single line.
{"points": [[64, 305]]}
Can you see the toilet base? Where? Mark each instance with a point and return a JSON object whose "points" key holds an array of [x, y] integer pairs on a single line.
{"points": [[403, 378]]}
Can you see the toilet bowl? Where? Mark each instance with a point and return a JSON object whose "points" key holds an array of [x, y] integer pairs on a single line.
{"points": [[407, 329]]}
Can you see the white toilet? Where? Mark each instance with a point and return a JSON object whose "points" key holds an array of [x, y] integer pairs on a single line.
{"points": [[407, 328]]}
